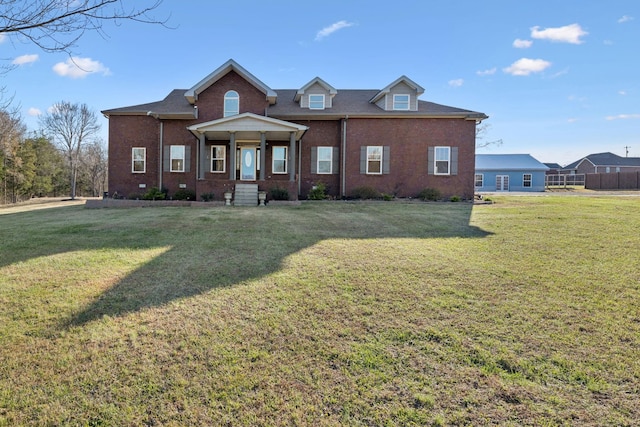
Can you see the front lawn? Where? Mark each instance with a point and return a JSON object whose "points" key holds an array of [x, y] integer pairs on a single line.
{"points": [[524, 312]]}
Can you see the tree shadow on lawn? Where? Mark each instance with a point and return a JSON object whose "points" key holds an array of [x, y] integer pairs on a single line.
{"points": [[221, 247]]}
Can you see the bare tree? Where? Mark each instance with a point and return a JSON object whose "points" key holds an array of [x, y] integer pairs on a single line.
{"points": [[94, 166], [70, 126], [56, 25], [481, 131]]}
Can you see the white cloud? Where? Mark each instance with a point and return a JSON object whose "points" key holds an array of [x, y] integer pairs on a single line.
{"points": [[567, 34], [2, 38], [526, 66], [625, 18], [456, 82], [488, 72], [327, 31], [522, 44], [572, 120], [623, 117], [25, 59], [34, 112], [622, 92], [77, 68]]}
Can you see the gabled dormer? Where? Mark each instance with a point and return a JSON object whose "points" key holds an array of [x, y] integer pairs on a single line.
{"points": [[223, 70], [401, 95], [316, 95]]}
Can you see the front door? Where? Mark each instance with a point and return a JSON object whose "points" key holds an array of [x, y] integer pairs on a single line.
{"points": [[502, 183], [247, 164]]}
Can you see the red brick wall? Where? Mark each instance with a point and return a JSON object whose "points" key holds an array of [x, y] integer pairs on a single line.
{"points": [[409, 140], [126, 132], [211, 102], [326, 133]]}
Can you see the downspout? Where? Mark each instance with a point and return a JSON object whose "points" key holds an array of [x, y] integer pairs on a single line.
{"points": [[343, 156], [299, 165], [160, 148]]}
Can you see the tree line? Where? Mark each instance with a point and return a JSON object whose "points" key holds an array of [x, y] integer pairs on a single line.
{"points": [[44, 163]]}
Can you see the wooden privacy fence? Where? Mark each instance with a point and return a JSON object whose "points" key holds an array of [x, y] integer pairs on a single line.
{"points": [[613, 181]]}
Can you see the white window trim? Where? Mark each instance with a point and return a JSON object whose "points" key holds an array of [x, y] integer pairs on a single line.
{"points": [[395, 106], [318, 160], [524, 180], [286, 160], [223, 158], [435, 160], [475, 179], [171, 158], [323, 101], [235, 95], [144, 159], [381, 148]]}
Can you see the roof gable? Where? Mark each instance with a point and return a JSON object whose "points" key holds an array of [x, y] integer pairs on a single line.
{"points": [[316, 81], [419, 90], [230, 65]]}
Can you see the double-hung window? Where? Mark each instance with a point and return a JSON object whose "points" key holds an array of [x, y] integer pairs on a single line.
{"points": [[177, 158], [218, 158], [526, 180], [138, 160], [374, 159], [400, 102], [442, 160], [316, 102], [279, 155], [325, 160], [231, 103], [479, 180]]}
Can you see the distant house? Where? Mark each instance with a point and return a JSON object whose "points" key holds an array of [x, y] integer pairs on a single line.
{"points": [[231, 131], [603, 163], [509, 172], [554, 168]]}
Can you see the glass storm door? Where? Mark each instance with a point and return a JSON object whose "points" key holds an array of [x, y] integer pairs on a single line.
{"points": [[247, 164]]}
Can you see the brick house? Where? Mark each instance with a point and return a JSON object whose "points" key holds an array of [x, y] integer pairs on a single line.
{"points": [[230, 130]]}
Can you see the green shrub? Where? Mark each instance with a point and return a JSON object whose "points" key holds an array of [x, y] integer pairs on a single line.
{"points": [[431, 194], [184, 194], [365, 193], [154, 194], [318, 192], [207, 197], [278, 193], [387, 197], [455, 198]]}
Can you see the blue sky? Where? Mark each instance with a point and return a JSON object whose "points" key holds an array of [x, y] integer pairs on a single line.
{"points": [[559, 79]]}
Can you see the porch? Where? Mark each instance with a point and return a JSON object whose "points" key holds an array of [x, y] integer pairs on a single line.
{"points": [[247, 149]]}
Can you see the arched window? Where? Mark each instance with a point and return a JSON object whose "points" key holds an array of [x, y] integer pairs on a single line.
{"points": [[231, 103]]}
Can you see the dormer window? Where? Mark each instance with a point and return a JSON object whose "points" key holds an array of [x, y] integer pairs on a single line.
{"points": [[401, 102], [231, 103], [316, 102]]}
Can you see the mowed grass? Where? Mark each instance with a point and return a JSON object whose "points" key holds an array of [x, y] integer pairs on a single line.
{"points": [[524, 312]]}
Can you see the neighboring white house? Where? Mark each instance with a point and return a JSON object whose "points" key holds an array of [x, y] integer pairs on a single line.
{"points": [[509, 172]]}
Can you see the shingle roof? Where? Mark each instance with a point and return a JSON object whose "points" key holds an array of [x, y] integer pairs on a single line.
{"points": [[347, 102], [355, 102], [508, 162], [606, 159], [175, 104]]}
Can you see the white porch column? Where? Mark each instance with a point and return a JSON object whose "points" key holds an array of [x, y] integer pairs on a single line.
{"points": [[203, 156], [292, 156], [232, 156], [263, 154]]}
